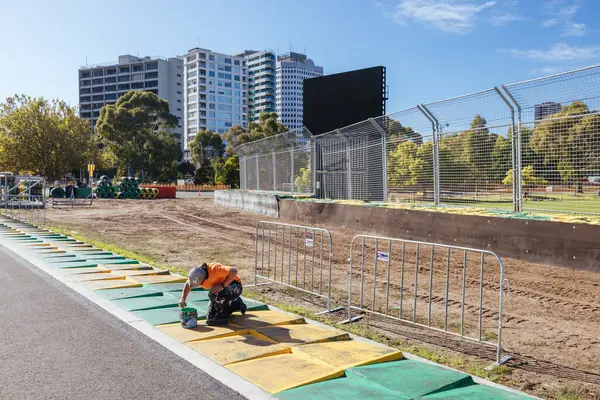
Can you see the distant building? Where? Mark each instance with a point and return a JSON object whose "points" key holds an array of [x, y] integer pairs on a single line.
{"points": [[215, 92], [104, 84], [292, 69], [261, 82], [543, 110]]}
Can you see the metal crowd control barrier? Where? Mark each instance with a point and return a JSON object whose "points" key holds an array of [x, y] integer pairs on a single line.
{"points": [[404, 273], [296, 256]]}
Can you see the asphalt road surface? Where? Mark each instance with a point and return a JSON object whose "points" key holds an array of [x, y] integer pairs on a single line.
{"points": [[56, 344]]}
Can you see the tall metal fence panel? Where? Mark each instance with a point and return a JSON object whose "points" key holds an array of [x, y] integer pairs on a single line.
{"points": [[558, 123], [280, 163], [533, 145]]}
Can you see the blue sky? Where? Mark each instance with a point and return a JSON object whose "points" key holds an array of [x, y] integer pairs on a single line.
{"points": [[433, 49]]}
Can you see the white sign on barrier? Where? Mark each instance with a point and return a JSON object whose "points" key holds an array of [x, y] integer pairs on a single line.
{"points": [[383, 256], [308, 239]]}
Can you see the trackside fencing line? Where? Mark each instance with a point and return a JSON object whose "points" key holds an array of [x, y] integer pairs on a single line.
{"points": [[291, 255], [385, 251]]}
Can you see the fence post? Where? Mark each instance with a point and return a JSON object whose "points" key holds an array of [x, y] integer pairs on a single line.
{"points": [[292, 168], [516, 145], [435, 127], [384, 157], [348, 164], [257, 172], [274, 172]]}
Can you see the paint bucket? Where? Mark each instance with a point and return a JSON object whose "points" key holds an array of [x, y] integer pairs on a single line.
{"points": [[189, 317]]}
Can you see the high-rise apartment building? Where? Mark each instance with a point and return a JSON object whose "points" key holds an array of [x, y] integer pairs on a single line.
{"points": [[544, 109], [291, 70], [261, 82], [215, 92], [104, 84]]}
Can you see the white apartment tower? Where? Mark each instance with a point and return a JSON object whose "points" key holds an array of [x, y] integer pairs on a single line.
{"points": [[261, 82], [104, 84], [215, 92], [292, 69]]}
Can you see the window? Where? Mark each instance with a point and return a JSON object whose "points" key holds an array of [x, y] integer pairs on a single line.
{"points": [[85, 83], [124, 78], [192, 114], [85, 99], [192, 90], [152, 75], [179, 75], [151, 66], [192, 130], [84, 74], [111, 71], [222, 75], [151, 83], [124, 86], [224, 99], [85, 107], [237, 78], [223, 115], [98, 89], [224, 84], [97, 97], [228, 61], [192, 98], [124, 70], [155, 91], [98, 72], [97, 81], [211, 97], [137, 68], [211, 106], [225, 68], [137, 85], [224, 107], [111, 96], [236, 62], [236, 85], [111, 88], [202, 56], [191, 58], [192, 122], [192, 74], [211, 73], [112, 79], [211, 57]]}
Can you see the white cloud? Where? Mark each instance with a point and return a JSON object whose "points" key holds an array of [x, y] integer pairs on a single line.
{"points": [[448, 16], [560, 52], [574, 29], [562, 14], [502, 19]]}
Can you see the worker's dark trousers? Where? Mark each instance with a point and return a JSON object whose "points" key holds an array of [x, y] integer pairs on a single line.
{"points": [[225, 302]]}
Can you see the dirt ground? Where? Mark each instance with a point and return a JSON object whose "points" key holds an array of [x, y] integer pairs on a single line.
{"points": [[551, 319]]}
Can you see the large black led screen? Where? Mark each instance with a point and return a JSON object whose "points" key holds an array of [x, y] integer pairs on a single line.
{"points": [[335, 101]]}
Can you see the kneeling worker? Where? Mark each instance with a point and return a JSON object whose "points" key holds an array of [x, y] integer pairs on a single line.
{"points": [[225, 289]]}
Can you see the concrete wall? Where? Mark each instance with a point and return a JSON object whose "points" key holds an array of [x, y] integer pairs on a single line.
{"points": [[256, 202], [568, 245]]}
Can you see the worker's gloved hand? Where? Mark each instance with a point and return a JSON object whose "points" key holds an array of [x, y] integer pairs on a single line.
{"points": [[182, 303]]}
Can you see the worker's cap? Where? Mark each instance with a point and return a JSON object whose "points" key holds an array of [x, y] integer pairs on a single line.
{"points": [[197, 276]]}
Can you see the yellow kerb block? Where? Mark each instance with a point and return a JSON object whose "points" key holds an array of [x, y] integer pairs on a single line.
{"points": [[143, 272], [39, 245], [285, 371], [349, 354], [76, 249], [97, 276], [200, 332], [160, 279], [303, 333], [125, 267], [110, 284], [258, 319], [244, 345]]}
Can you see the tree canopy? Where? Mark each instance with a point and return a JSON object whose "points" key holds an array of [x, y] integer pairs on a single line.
{"points": [[43, 137], [136, 129], [206, 145], [266, 126]]}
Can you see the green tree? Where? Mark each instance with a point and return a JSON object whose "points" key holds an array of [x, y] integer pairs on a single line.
{"points": [[528, 177], [266, 126], [405, 166], [186, 168], [135, 128], [569, 139], [227, 171], [205, 175], [479, 148], [43, 137], [303, 182], [501, 158], [396, 132], [206, 145], [163, 152]]}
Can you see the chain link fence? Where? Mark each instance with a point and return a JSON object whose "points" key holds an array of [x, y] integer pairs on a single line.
{"points": [[280, 163], [528, 146]]}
